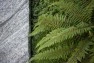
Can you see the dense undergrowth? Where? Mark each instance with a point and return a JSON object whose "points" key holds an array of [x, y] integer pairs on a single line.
{"points": [[63, 31]]}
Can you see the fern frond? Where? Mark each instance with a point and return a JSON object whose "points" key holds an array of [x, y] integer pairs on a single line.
{"points": [[92, 59], [47, 23], [72, 10], [52, 54], [49, 36], [80, 51], [64, 35]]}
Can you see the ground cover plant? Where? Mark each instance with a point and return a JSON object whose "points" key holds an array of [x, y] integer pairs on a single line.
{"points": [[63, 31]]}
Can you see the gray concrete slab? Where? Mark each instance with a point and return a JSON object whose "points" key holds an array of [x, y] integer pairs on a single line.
{"points": [[14, 31]]}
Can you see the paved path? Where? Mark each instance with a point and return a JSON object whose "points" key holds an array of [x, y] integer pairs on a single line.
{"points": [[13, 31]]}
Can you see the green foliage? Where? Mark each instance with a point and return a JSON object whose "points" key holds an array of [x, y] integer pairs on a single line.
{"points": [[64, 31]]}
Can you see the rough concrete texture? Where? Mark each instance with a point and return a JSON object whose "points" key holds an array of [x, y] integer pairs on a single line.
{"points": [[14, 31]]}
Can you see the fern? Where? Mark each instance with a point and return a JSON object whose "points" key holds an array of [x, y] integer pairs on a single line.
{"points": [[49, 36], [47, 23], [52, 54], [64, 35], [64, 31], [92, 59], [80, 51]]}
